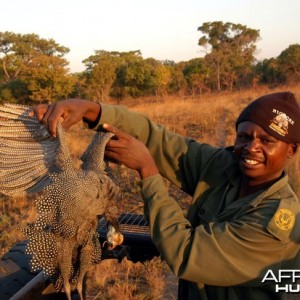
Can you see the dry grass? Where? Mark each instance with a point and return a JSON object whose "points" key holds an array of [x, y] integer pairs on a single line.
{"points": [[127, 280], [209, 118]]}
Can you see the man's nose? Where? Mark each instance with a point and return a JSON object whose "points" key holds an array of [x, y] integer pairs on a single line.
{"points": [[252, 145]]}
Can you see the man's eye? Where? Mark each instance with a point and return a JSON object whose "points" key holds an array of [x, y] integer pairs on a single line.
{"points": [[267, 141], [243, 137]]}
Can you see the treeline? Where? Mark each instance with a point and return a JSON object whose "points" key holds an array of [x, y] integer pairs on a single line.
{"points": [[34, 69]]}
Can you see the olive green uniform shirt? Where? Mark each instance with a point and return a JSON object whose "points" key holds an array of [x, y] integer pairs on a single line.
{"points": [[225, 245]]}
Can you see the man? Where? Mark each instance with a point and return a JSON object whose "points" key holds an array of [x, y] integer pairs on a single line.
{"points": [[244, 217]]}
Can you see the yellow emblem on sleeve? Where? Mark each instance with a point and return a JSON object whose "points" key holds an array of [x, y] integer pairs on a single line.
{"points": [[284, 219]]}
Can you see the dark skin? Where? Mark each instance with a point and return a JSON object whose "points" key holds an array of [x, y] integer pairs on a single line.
{"points": [[130, 152], [71, 111], [261, 157]]}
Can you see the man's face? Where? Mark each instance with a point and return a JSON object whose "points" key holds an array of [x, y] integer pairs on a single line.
{"points": [[261, 157]]}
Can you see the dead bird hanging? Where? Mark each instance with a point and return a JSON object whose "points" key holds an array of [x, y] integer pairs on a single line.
{"points": [[63, 240]]}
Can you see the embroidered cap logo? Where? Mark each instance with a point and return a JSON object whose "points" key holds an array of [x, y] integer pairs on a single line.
{"points": [[280, 122]]}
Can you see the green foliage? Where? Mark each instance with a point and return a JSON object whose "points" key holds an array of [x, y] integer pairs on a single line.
{"points": [[47, 78], [177, 83], [283, 69], [36, 63], [132, 76], [6, 96], [112, 73], [162, 75], [289, 63], [196, 73], [100, 80], [34, 69], [269, 71], [100, 74], [14, 91]]}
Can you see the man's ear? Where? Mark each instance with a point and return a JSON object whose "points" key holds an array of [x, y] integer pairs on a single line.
{"points": [[292, 150]]}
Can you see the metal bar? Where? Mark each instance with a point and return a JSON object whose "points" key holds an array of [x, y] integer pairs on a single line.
{"points": [[32, 285]]}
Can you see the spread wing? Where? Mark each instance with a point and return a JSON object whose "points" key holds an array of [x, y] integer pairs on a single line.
{"points": [[27, 151]]}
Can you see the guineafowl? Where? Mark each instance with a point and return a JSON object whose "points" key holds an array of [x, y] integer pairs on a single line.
{"points": [[63, 240]]}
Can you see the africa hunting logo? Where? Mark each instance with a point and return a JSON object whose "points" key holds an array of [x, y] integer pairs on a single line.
{"points": [[286, 281], [280, 122]]}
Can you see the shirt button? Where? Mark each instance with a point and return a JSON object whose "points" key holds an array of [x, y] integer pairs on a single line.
{"points": [[202, 211]]}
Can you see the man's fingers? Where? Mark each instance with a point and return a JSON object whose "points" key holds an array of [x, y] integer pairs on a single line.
{"points": [[113, 155], [50, 120], [39, 111], [43, 112], [67, 122], [120, 140], [110, 128], [117, 132]]}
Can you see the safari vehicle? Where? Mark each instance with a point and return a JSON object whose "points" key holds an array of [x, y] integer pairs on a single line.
{"points": [[18, 282]]}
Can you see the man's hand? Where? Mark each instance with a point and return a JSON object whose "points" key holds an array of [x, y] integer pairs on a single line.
{"points": [[131, 152], [72, 111]]}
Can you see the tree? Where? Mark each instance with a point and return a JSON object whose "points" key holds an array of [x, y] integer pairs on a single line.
{"points": [[139, 77], [196, 73], [132, 75], [15, 91], [289, 63], [100, 74], [162, 77], [114, 73], [230, 51], [35, 63], [47, 78], [269, 71], [177, 82]]}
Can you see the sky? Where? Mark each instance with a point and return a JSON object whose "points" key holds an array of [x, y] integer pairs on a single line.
{"points": [[161, 29]]}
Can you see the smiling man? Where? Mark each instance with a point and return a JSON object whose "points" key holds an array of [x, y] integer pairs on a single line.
{"points": [[267, 137], [243, 222]]}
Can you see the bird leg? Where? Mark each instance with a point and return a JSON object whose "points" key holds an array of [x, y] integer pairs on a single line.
{"points": [[85, 261], [65, 263]]}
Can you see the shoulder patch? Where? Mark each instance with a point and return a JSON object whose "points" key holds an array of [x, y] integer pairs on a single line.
{"points": [[284, 219]]}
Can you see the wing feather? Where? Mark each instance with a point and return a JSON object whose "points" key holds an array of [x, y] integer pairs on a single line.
{"points": [[27, 151]]}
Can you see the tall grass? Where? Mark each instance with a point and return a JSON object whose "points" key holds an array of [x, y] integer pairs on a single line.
{"points": [[208, 118]]}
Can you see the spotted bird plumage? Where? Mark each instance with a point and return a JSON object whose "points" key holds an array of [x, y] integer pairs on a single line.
{"points": [[63, 240]]}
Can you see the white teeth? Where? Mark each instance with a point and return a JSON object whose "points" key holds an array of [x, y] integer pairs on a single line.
{"points": [[250, 161]]}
